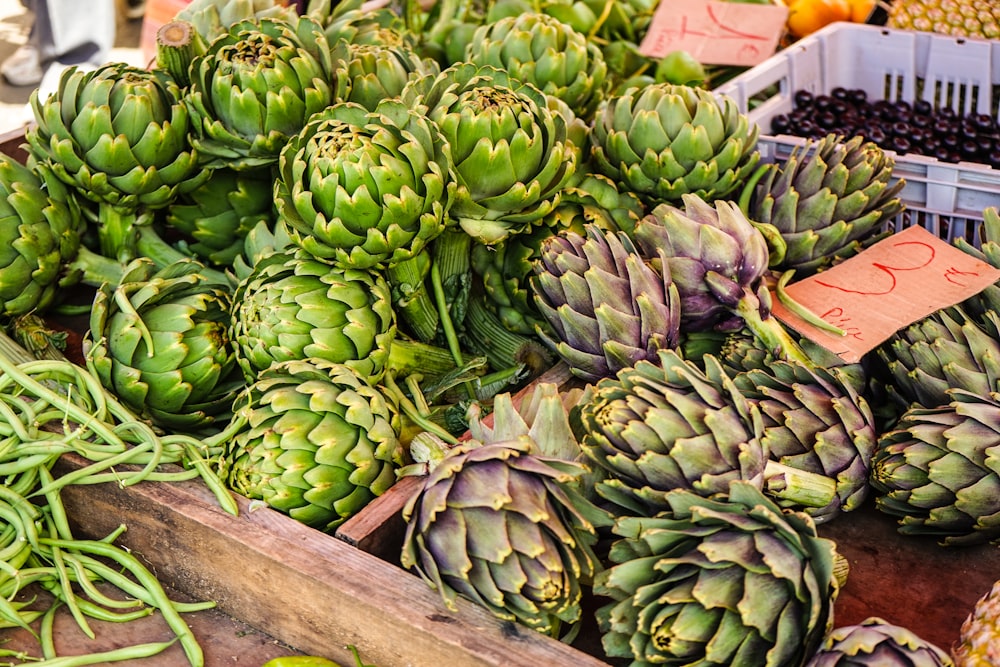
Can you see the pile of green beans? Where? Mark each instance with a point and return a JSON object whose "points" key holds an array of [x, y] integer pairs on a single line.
{"points": [[53, 407]]}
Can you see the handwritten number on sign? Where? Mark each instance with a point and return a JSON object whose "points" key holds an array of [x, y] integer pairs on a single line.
{"points": [[916, 252]]}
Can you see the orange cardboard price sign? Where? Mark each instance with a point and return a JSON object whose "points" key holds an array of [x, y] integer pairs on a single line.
{"points": [[888, 286], [715, 32]]}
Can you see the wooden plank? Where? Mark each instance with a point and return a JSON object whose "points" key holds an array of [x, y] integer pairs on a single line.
{"points": [[304, 587], [10, 144]]}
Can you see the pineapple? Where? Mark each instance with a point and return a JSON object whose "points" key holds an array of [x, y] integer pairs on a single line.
{"points": [[979, 640], [961, 18]]}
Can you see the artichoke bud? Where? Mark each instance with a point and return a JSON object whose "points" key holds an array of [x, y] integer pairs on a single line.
{"points": [[320, 442], [159, 340], [876, 642], [512, 153], [660, 566], [366, 189], [502, 527], [544, 51], [651, 138], [256, 87]]}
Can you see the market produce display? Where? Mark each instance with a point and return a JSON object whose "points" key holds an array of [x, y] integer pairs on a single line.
{"points": [[322, 248]]}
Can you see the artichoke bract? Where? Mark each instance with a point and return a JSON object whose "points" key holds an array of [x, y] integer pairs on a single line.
{"points": [[828, 200], [366, 189], [319, 443], [40, 227], [542, 50], [877, 643], [512, 153], [666, 140], [718, 581], [606, 307], [295, 306], [500, 526], [119, 136], [159, 340], [938, 470], [255, 88], [215, 217], [669, 425]]}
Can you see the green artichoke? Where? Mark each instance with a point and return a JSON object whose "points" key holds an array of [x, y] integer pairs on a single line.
{"points": [[718, 581], [664, 140], [669, 425], [213, 18], [877, 643], [607, 307], [348, 20], [512, 153], [829, 199], [40, 227], [319, 442], [544, 51], [295, 306], [255, 88], [501, 526], [214, 218], [118, 135], [370, 73], [366, 189], [815, 420], [159, 341], [944, 350], [938, 470]]}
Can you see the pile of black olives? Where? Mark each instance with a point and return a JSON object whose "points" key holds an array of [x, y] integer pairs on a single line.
{"points": [[900, 126]]}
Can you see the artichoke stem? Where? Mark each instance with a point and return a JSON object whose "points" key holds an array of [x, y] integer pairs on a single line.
{"points": [[410, 356], [177, 44], [447, 326], [11, 350], [116, 232], [452, 252], [411, 299], [150, 244], [94, 269], [485, 334], [770, 331], [797, 486]]}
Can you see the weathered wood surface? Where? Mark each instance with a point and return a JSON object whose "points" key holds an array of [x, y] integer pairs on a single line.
{"points": [[304, 587]]}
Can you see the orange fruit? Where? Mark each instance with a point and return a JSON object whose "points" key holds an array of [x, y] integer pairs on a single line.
{"points": [[808, 16]]}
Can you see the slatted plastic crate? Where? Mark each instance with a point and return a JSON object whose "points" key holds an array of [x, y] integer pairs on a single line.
{"points": [[962, 74]]}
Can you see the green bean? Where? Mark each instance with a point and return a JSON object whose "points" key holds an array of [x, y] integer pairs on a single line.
{"points": [[90, 589], [46, 636], [81, 473], [57, 511], [222, 493], [96, 611], [155, 476], [130, 587], [148, 581], [67, 595], [114, 655]]}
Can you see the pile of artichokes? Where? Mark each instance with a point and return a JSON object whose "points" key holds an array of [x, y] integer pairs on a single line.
{"points": [[338, 238]]}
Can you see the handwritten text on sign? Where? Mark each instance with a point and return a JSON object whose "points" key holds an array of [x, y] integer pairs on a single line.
{"points": [[715, 32], [896, 282]]}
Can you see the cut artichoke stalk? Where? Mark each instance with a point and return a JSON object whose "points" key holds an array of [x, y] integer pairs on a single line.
{"points": [[178, 43]]}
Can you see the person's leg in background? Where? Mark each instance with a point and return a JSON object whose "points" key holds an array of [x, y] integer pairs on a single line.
{"points": [[67, 32]]}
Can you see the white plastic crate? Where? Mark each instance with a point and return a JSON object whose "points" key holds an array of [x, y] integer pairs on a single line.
{"points": [[946, 198]]}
